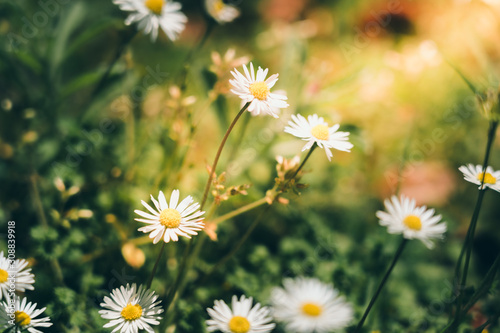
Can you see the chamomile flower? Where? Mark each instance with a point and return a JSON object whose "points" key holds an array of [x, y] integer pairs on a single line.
{"points": [[306, 305], [256, 90], [242, 318], [220, 11], [25, 316], [131, 309], [154, 14], [169, 221], [474, 174], [404, 217], [14, 273], [315, 130], [274, 110]]}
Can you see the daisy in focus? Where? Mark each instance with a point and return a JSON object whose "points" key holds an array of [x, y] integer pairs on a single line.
{"points": [[315, 130], [25, 314], [154, 14], [131, 309], [220, 11], [17, 273], [402, 216], [169, 221], [274, 110], [242, 318], [307, 305], [256, 90], [474, 175]]}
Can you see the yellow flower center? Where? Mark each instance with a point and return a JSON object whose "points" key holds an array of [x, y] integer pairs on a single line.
{"points": [[3, 276], [320, 132], [218, 6], [239, 324], [413, 222], [170, 218], [488, 178], [154, 5], [22, 318], [131, 312], [259, 90], [312, 309]]}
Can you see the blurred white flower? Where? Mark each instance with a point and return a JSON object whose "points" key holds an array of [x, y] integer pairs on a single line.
{"points": [[242, 318], [24, 316], [221, 12], [257, 91], [131, 309], [170, 221], [315, 130], [404, 217], [14, 272], [474, 175], [154, 14], [307, 305]]}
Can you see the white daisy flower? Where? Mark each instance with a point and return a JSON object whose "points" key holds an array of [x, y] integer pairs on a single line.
{"points": [[220, 11], [274, 110], [170, 221], [23, 314], [154, 14], [403, 217], [131, 309], [474, 174], [257, 91], [242, 318], [315, 130], [307, 305], [14, 272]]}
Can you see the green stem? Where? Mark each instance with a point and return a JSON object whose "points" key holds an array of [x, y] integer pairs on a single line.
{"points": [[237, 246], [482, 290], [180, 276], [239, 211], [302, 164], [129, 35], [192, 52], [467, 247], [485, 285], [217, 156], [156, 265], [381, 285], [187, 257], [54, 263], [237, 144]]}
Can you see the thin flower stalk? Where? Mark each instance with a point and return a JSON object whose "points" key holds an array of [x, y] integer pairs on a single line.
{"points": [[219, 151], [460, 278], [381, 285], [238, 245], [254, 224], [187, 256]]}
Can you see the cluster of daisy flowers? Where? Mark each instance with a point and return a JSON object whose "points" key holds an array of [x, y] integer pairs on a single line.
{"points": [[255, 90], [303, 305], [16, 313], [166, 15]]}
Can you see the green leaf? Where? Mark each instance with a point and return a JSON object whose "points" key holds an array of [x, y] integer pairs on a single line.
{"points": [[82, 81], [70, 21], [90, 34], [466, 80]]}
